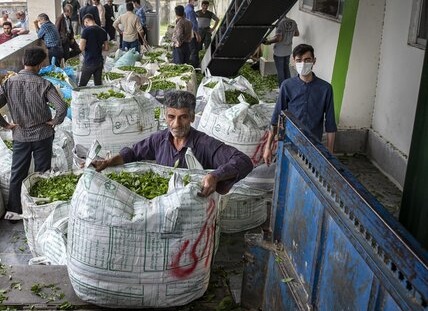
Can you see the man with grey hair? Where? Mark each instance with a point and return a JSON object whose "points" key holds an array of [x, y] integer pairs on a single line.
{"points": [[22, 27], [169, 146], [47, 31]]}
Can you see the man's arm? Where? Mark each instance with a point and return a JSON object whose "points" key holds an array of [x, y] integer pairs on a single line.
{"points": [[3, 101], [232, 166], [275, 39], [116, 25], [105, 46], [296, 31], [54, 98], [267, 153], [82, 45], [102, 164], [216, 22], [330, 141], [140, 29], [330, 121]]}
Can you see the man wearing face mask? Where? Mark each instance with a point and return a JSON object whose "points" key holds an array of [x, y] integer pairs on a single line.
{"points": [[308, 98]]}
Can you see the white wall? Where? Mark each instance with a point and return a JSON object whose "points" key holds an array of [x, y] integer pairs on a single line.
{"points": [[322, 34], [361, 81], [399, 78], [51, 7]]}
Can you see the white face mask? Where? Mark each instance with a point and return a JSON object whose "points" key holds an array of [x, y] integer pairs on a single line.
{"points": [[303, 69]]}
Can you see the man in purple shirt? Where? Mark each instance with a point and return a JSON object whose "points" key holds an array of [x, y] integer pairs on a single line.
{"points": [[169, 146]]}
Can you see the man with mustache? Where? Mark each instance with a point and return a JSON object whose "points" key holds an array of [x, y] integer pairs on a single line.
{"points": [[168, 146]]}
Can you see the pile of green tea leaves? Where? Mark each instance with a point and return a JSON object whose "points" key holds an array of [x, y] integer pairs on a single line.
{"points": [[163, 85], [113, 75], [261, 85], [211, 85], [135, 69], [232, 97], [9, 144], [157, 112], [110, 93], [148, 184], [174, 70], [73, 62], [154, 56], [56, 75], [56, 188]]}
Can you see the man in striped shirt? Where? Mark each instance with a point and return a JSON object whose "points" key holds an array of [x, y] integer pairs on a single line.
{"points": [[27, 96]]}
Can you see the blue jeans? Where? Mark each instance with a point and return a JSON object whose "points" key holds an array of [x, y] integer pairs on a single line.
{"points": [[181, 54], [129, 45], [282, 67], [21, 160]]}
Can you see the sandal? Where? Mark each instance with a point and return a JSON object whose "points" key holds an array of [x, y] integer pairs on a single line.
{"points": [[12, 216]]}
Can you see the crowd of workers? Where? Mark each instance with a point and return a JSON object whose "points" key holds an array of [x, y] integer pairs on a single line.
{"points": [[308, 97]]}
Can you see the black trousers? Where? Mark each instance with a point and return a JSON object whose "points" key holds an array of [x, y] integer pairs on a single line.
{"points": [[71, 49], [194, 53], [41, 151], [88, 71], [56, 52]]}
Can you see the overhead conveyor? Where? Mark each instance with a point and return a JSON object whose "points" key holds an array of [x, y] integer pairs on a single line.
{"points": [[241, 31]]}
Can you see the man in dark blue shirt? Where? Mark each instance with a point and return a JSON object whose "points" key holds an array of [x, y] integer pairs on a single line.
{"points": [[189, 9], [92, 42], [89, 9], [169, 146], [308, 98], [47, 31]]}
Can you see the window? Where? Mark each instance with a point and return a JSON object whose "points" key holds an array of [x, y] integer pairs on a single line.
{"points": [[331, 9], [418, 24]]}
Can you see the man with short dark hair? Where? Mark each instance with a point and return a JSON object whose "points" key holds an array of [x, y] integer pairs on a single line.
{"points": [[109, 8], [7, 32], [27, 96], [132, 28], [194, 43], [283, 41], [89, 9], [92, 43], [308, 98], [169, 146], [204, 24], [181, 37], [141, 13], [47, 31]]}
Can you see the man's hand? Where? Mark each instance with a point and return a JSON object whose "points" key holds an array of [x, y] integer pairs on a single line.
{"points": [[267, 154], [209, 184], [99, 165], [10, 126], [50, 123]]}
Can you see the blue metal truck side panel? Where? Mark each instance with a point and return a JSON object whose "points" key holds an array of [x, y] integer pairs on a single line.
{"points": [[345, 279], [336, 245]]}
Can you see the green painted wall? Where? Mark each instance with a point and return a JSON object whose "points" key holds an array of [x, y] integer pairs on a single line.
{"points": [[343, 53]]}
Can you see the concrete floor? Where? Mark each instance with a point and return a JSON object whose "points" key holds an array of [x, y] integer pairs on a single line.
{"points": [[227, 269]]}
